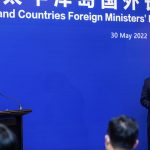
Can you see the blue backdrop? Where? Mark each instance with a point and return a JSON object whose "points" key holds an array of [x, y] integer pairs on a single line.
{"points": [[72, 74]]}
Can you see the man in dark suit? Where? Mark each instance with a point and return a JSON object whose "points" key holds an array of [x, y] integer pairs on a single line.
{"points": [[145, 101]]}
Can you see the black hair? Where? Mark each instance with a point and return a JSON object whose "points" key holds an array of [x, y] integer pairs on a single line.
{"points": [[123, 132]]}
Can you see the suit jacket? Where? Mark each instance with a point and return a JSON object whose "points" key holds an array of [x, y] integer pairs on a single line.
{"points": [[145, 97]]}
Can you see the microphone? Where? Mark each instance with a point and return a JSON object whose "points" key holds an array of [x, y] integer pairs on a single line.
{"points": [[11, 98]]}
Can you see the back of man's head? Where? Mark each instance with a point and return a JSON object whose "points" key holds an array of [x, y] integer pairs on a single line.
{"points": [[122, 133], [7, 139]]}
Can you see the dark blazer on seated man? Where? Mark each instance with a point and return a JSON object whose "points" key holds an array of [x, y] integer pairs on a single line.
{"points": [[145, 101]]}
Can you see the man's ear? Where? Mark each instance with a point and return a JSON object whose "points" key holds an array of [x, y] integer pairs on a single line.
{"points": [[107, 140], [136, 143]]}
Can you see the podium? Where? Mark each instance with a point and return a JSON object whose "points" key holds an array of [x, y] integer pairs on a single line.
{"points": [[13, 119]]}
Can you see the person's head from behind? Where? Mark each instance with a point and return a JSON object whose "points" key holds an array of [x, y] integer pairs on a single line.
{"points": [[7, 139], [122, 134]]}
